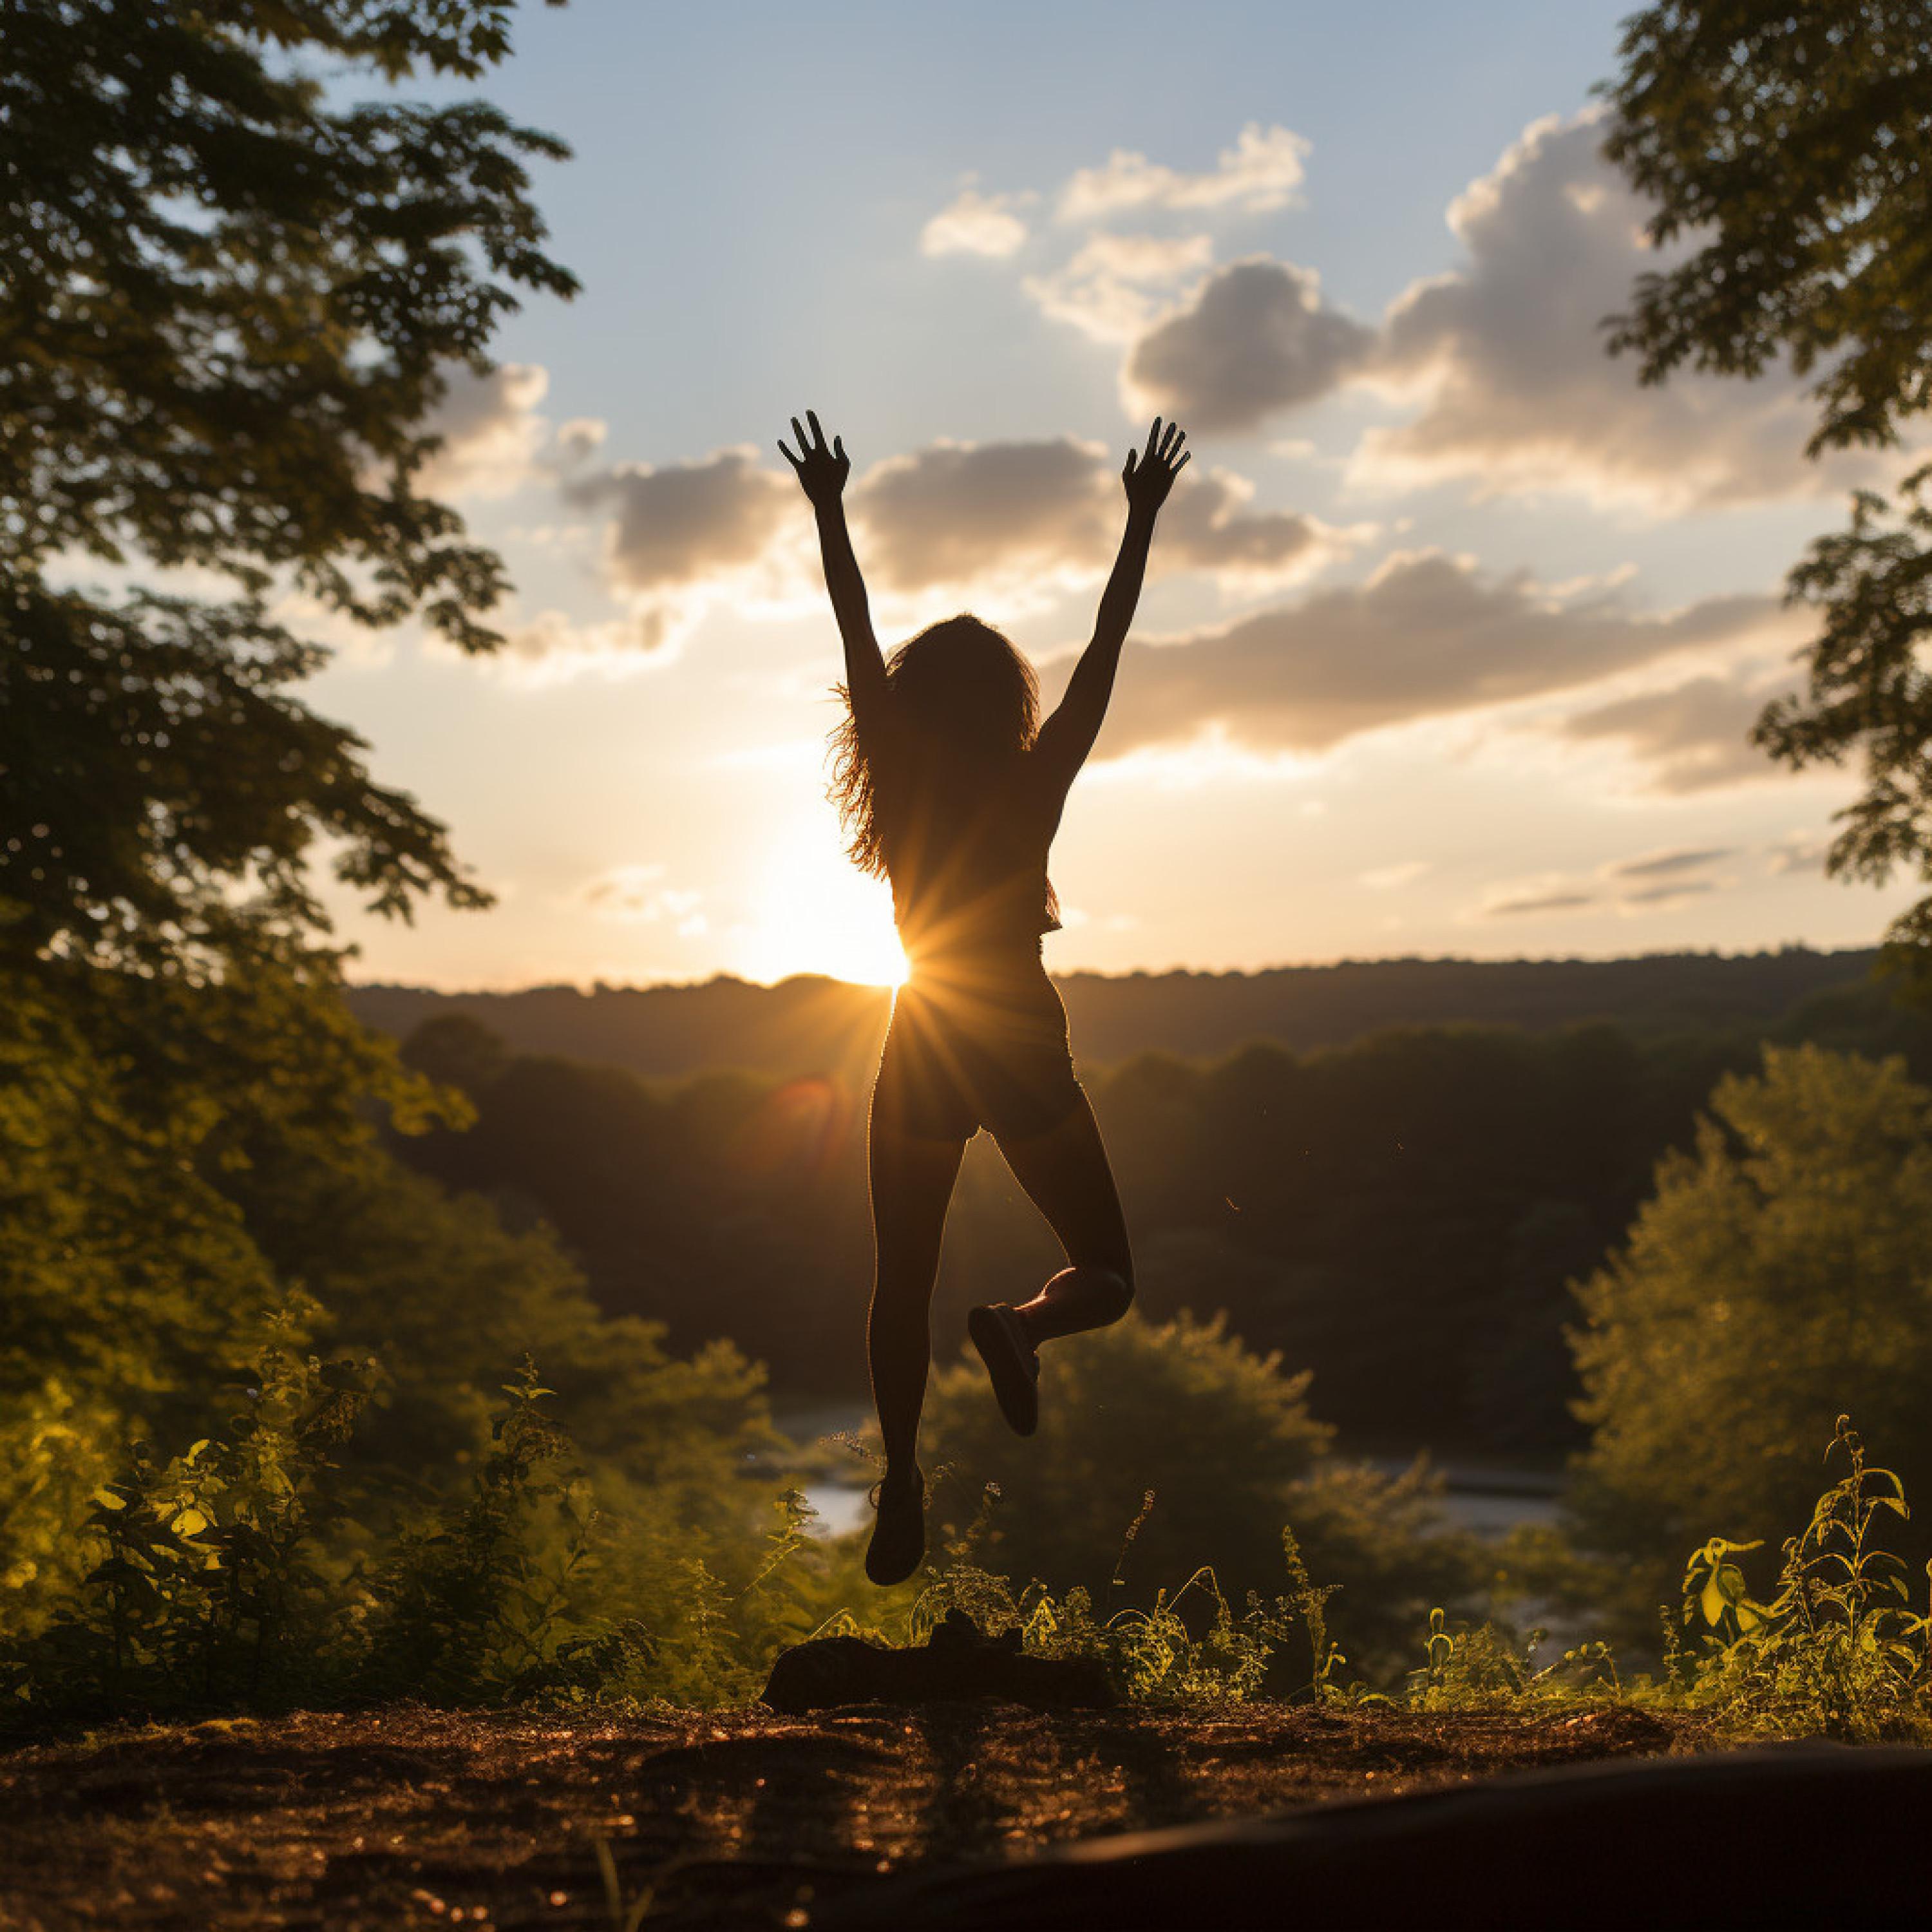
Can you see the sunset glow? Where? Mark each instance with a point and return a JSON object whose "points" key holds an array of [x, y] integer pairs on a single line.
{"points": [[814, 913], [1454, 631]]}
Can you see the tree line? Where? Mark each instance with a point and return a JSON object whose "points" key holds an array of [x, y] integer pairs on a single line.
{"points": [[1403, 1216]]}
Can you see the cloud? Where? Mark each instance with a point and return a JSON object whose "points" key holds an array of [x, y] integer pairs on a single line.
{"points": [[1427, 635], [552, 648], [1671, 891], [1651, 882], [581, 438], [1514, 903], [682, 535], [491, 430], [1113, 287], [1800, 852], [1691, 737], [1262, 171], [686, 521], [961, 514], [1507, 355], [972, 223], [633, 895], [1255, 339], [1664, 865], [1018, 518]]}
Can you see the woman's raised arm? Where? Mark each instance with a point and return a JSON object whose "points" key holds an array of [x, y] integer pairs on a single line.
{"points": [[821, 473], [1068, 735]]}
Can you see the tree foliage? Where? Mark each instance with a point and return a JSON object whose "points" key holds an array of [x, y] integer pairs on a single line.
{"points": [[1795, 144], [1781, 1275], [229, 303]]}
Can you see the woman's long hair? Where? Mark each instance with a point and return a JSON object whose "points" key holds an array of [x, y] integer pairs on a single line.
{"points": [[961, 703]]}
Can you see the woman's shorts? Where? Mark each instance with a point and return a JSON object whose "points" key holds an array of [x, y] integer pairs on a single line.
{"points": [[976, 1043]]}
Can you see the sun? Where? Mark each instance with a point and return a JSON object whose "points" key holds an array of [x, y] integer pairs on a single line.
{"points": [[815, 913]]}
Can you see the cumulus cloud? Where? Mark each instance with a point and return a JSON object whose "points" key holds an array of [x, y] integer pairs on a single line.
{"points": [[1507, 355], [1020, 518], [1255, 339], [675, 540], [959, 514], [1262, 170], [686, 521], [491, 430], [1691, 736], [1116, 284], [1427, 635], [579, 439], [972, 223]]}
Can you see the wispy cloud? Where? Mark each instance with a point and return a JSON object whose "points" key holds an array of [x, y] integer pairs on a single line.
{"points": [[972, 223], [1262, 170]]}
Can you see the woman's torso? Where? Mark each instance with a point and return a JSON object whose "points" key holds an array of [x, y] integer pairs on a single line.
{"points": [[966, 857]]}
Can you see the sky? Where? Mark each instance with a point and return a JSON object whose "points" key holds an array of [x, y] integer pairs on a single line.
{"points": [[1453, 631]]}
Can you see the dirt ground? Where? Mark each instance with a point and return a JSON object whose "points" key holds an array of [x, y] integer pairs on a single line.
{"points": [[418, 1817]]}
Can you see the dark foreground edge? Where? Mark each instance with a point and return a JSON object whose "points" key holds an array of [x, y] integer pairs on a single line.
{"points": [[1813, 1834]]}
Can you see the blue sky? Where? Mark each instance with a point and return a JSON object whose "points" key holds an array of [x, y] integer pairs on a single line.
{"points": [[1452, 657]]}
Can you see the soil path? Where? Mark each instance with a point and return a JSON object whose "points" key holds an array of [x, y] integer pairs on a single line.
{"points": [[745, 1820]]}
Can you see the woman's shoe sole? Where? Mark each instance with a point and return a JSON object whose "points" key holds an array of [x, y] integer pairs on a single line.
{"points": [[1011, 1370]]}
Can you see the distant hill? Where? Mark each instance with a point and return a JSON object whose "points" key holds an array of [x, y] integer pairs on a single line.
{"points": [[813, 1025]]}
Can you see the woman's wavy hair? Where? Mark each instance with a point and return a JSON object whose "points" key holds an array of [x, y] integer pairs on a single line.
{"points": [[962, 702]]}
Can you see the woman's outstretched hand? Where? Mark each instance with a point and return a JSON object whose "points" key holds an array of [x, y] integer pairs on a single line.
{"points": [[821, 473], [1150, 473]]}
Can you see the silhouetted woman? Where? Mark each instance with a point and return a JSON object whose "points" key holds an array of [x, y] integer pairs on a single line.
{"points": [[951, 788]]}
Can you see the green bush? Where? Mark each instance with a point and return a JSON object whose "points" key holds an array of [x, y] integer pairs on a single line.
{"points": [[1164, 1447]]}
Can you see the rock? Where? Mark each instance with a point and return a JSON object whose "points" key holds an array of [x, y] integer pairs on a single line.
{"points": [[958, 1661], [1797, 1835]]}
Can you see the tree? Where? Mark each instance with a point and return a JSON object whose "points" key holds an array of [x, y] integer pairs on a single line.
{"points": [[1780, 1276], [1795, 144], [1224, 1442], [228, 305]]}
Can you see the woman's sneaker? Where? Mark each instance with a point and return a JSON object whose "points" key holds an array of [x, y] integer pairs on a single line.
{"points": [[1011, 1359], [898, 1537]]}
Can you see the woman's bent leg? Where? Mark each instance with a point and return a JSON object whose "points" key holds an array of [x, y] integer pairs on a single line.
{"points": [[912, 1180], [1069, 1178]]}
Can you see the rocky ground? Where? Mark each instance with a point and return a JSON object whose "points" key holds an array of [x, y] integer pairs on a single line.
{"points": [[747, 1820]]}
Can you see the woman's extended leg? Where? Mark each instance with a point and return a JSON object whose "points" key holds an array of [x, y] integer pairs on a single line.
{"points": [[1069, 1178], [912, 1180]]}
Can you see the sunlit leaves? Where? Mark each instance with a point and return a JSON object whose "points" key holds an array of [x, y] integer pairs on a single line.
{"points": [[229, 301]]}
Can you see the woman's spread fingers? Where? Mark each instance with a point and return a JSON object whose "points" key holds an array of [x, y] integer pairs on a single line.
{"points": [[838, 447], [1152, 434], [788, 455], [799, 436], [1186, 457], [811, 417]]}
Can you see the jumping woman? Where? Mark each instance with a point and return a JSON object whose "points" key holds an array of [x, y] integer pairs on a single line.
{"points": [[951, 788]]}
